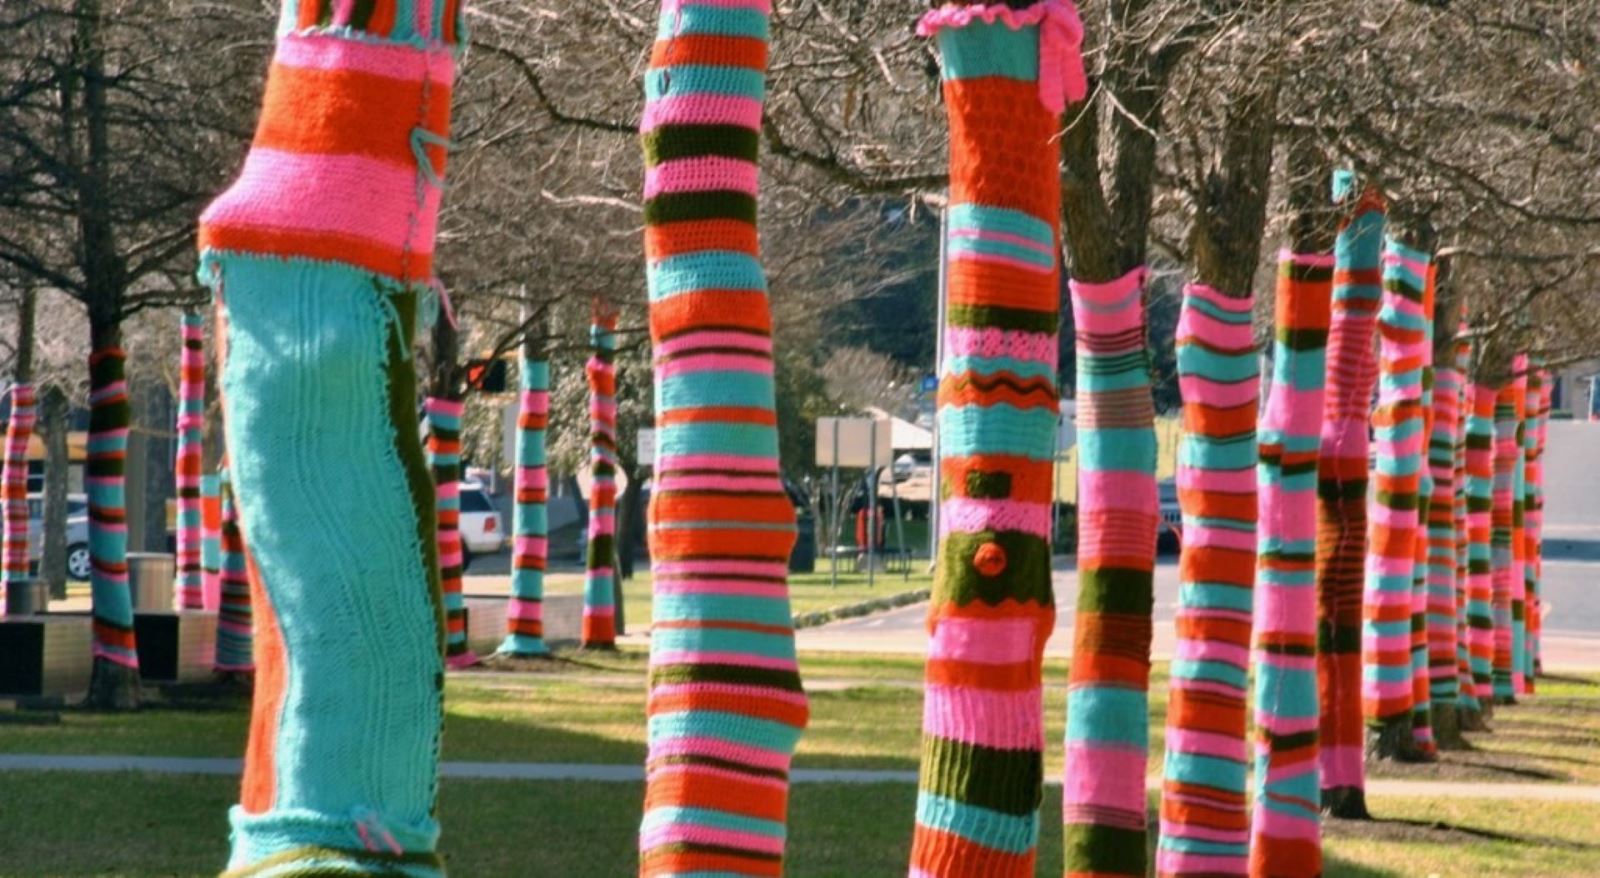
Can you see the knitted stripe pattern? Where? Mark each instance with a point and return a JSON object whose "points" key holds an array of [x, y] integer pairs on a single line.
{"points": [[105, 482], [233, 616], [530, 524], [14, 489], [444, 458], [1285, 833], [992, 610], [726, 707], [319, 254], [1466, 690], [1342, 491], [1421, 705], [1480, 557], [1397, 425], [599, 574], [190, 463], [1539, 388], [1204, 825], [1442, 585], [211, 541], [1108, 690], [1504, 575]]}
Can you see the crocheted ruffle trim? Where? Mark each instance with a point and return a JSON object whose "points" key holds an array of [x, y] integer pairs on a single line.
{"points": [[1061, 76]]}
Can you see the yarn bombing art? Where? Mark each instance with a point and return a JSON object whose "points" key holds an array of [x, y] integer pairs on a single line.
{"points": [[1537, 430], [14, 565], [1519, 527], [444, 458], [190, 590], [1442, 585], [211, 541], [991, 611], [1480, 553], [1421, 704], [599, 571], [1504, 574], [319, 255], [1467, 707], [1205, 827], [233, 617], [530, 523], [105, 483], [725, 707], [1285, 827]]}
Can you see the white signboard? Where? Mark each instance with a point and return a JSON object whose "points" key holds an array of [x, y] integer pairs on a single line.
{"points": [[646, 450], [860, 442]]}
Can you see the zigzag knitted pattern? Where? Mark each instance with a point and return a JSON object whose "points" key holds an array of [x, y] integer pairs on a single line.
{"points": [[1342, 492], [211, 541], [14, 490], [599, 574], [982, 766], [530, 526], [1421, 706], [1285, 829], [319, 253], [233, 616], [1480, 558], [190, 461], [444, 458], [1205, 828], [1504, 575], [1386, 689], [1442, 585], [1108, 691], [726, 707], [106, 484]]}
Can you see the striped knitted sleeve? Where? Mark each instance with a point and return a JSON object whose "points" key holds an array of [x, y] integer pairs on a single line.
{"points": [[190, 460], [1480, 558], [529, 524], [599, 629]]}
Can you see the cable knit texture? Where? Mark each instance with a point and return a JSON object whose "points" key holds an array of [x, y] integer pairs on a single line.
{"points": [[530, 525], [1285, 833], [992, 609], [14, 490], [189, 593], [1205, 829], [726, 706], [599, 574], [318, 254]]}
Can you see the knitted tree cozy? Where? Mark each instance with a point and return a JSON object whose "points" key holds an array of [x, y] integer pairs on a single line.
{"points": [[189, 591], [1421, 706], [234, 633], [529, 522], [1442, 585], [1285, 832], [1539, 390], [1205, 828], [1502, 552], [14, 491], [318, 255], [105, 482], [725, 707], [1342, 499], [1386, 688], [1519, 528], [1468, 710], [992, 610], [444, 459], [599, 574], [211, 541], [1480, 554]]}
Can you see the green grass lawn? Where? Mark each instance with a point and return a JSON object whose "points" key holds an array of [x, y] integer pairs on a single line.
{"points": [[808, 592]]}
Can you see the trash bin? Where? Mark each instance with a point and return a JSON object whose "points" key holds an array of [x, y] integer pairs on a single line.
{"points": [[803, 559], [27, 597], [150, 577]]}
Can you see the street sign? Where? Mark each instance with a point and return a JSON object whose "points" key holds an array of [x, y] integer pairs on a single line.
{"points": [[646, 447], [859, 442]]}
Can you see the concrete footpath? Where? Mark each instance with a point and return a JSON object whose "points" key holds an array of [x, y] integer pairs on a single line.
{"points": [[609, 773]]}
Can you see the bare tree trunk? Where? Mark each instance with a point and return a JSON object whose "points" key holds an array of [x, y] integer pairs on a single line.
{"points": [[53, 556]]}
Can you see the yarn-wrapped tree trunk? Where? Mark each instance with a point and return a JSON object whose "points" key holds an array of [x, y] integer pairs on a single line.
{"points": [[319, 254], [211, 541], [1205, 828], [1285, 833], [1421, 704], [1342, 500], [1502, 549], [726, 707], [1442, 586], [1469, 712], [114, 681], [1539, 388], [14, 565], [444, 458], [1517, 577], [233, 653], [190, 463], [1386, 687], [530, 524], [599, 568], [992, 609], [1480, 556]]}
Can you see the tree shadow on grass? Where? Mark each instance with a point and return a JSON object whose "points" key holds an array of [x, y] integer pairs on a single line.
{"points": [[1400, 829]]}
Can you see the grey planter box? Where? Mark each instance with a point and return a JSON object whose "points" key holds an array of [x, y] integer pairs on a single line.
{"points": [[46, 655], [176, 647]]}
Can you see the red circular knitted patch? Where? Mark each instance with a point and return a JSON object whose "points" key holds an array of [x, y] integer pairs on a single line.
{"points": [[990, 559]]}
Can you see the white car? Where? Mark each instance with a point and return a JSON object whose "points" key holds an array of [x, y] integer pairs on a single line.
{"points": [[77, 534], [482, 531]]}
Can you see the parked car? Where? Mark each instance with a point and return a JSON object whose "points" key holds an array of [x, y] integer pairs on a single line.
{"points": [[1170, 533], [77, 534], [482, 531]]}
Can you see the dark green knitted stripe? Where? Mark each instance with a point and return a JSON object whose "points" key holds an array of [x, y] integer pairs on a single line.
{"points": [[1399, 501], [766, 678], [1117, 590], [682, 206], [1105, 850], [1008, 781], [1333, 490], [601, 550], [1134, 361], [694, 141], [721, 850], [1334, 638], [988, 486], [994, 316], [1026, 576], [724, 764], [1303, 339], [1303, 272], [362, 14], [1292, 741]]}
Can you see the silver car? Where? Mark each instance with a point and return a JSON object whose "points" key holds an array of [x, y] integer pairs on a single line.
{"points": [[77, 534]]}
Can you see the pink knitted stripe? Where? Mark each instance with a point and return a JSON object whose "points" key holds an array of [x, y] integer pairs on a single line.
{"points": [[701, 109], [389, 60], [701, 174], [1033, 347], [983, 641], [693, 340], [1106, 786], [973, 515], [1003, 720], [1185, 740], [714, 363]]}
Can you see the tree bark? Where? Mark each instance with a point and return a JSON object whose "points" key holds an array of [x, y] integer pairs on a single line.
{"points": [[53, 411]]}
